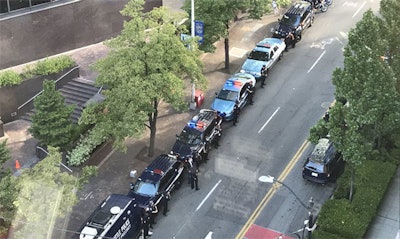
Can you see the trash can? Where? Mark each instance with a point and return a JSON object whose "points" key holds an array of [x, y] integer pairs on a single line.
{"points": [[199, 98]]}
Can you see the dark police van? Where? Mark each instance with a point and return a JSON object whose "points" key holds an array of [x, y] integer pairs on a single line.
{"points": [[297, 18], [159, 178], [118, 216], [196, 137], [323, 164]]}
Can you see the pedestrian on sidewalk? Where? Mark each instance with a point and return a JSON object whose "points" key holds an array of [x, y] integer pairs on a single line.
{"points": [[275, 7]]}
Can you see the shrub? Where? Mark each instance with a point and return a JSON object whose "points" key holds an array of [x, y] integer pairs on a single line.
{"points": [[53, 65], [9, 78], [346, 219], [85, 147]]}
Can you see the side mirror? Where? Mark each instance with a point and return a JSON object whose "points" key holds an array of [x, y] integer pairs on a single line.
{"points": [[279, 20], [131, 185], [216, 93]]}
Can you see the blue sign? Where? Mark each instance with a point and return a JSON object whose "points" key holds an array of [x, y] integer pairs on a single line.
{"points": [[199, 30]]}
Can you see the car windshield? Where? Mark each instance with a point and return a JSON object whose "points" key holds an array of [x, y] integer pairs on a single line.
{"points": [[258, 56], [228, 95], [189, 138], [146, 188], [290, 20]]}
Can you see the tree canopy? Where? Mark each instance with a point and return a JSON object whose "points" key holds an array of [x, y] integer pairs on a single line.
{"points": [[367, 127], [147, 65], [51, 123], [218, 15]]}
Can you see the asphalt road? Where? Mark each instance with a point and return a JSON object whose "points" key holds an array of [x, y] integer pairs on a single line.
{"points": [[267, 138]]}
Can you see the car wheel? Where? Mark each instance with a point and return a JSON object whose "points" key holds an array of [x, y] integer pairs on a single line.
{"points": [[311, 22], [280, 56], [298, 37]]}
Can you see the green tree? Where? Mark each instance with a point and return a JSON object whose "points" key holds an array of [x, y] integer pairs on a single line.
{"points": [[364, 127], [218, 16], [51, 123], [389, 10], [45, 193], [4, 152], [146, 66]]}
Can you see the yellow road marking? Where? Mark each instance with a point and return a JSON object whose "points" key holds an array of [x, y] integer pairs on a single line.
{"points": [[272, 191]]}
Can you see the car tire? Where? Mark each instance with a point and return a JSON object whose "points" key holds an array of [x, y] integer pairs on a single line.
{"points": [[280, 56]]}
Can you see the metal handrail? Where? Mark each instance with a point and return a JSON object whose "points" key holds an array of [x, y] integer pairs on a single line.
{"points": [[65, 166]]}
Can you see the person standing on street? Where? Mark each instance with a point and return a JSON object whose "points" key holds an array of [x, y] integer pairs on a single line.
{"points": [[153, 213], [263, 73], [167, 196], [250, 93], [236, 111], [145, 219], [275, 7], [194, 182], [290, 40]]}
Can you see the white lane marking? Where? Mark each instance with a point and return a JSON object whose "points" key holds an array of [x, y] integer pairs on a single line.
{"points": [[270, 118], [204, 200], [316, 62], [359, 9], [209, 235]]}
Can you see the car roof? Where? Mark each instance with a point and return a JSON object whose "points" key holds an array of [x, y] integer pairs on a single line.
{"points": [[319, 152], [298, 8], [237, 81], [161, 164], [202, 120]]}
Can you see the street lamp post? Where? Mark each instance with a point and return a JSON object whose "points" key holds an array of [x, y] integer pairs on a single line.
{"points": [[192, 105], [311, 225]]}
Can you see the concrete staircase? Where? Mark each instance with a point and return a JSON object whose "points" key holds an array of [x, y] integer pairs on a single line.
{"points": [[76, 92]]}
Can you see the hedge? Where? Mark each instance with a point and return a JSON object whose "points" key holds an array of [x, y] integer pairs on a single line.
{"points": [[43, 67], [341, 218]]}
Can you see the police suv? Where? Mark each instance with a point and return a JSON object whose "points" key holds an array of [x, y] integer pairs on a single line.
{"points": [[298, 17], [196, 137], [267, 52], [118, 216], [159, 178]]}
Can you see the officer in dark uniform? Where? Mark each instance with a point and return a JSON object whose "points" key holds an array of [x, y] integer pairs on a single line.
{"points": [[145, 219], [236, 112], [250, 93], [166, 198], [153, 213], [263, 73], [290, 40], [194, 181]]}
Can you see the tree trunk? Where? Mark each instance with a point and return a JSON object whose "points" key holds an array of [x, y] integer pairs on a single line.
{"points": [[352, 182], [226, 41], [153, 128]]}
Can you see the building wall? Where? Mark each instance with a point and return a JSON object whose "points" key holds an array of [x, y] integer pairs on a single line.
{"points": [[51, 30]]}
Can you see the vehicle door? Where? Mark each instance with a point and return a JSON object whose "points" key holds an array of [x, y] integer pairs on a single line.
{"points": [[274, 54], [243, 95]]}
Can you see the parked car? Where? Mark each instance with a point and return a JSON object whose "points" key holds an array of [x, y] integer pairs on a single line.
{"points": [[298, 17], [198, 135], [162, 175], [324, 163], [267, 52], [233, 91]]}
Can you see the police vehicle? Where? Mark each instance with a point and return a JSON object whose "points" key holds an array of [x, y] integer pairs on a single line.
{"points": [[267, 52], [234, 91], [323, 164], [298, 17], [196, 137], [159, 178], [118, 216]]}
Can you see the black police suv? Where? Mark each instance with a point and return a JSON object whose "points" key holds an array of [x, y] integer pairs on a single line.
{"points": [[297, 18], [118, 216], [197, 136], [324, 163], [159, 178]]}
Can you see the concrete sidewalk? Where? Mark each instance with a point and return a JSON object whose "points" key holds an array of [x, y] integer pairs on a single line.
{"points": [[113, 176]]}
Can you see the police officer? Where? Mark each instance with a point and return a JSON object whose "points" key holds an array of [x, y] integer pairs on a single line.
{"points": [[290, 40], [153, 213], [236, 112], [166, 198], [263, 73], [250, 93], [145, 219], [194, 181]]}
